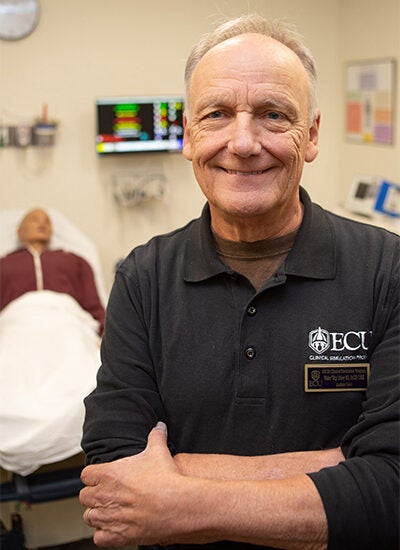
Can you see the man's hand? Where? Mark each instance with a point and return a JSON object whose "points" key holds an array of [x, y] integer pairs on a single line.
{"points": [[122, 499], [144, 499]]}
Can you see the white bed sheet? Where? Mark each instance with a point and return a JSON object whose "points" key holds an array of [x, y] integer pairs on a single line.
{"points": [[49, 357]]}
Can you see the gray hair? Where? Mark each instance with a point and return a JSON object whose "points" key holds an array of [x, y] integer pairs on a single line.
{"points": [[253, 23]]}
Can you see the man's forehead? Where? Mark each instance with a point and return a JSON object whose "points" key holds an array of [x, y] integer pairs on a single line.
{"points": [[253, 66], [253, 44], [245, 53]]}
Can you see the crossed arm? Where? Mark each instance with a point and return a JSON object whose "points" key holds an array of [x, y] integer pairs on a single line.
{"points": [[152, 498]]}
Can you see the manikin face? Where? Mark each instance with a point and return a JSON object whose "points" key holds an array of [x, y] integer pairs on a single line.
{"points": [[35, 228], [248, 130]]}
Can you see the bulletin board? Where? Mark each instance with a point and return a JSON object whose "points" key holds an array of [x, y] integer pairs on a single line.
{"points": [[370, 101]]}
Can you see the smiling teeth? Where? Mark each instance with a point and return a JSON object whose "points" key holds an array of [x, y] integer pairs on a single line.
{"points": [[253, 173]]}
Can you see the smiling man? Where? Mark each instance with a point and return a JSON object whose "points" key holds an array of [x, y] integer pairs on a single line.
{"points": [[225, 330], [249, 130]]}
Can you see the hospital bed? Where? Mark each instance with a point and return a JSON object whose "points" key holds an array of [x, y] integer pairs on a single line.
{"points": [[49, 357]]}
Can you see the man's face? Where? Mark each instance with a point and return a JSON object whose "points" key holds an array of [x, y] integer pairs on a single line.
{"points": [[248, 131], [35, 228]]}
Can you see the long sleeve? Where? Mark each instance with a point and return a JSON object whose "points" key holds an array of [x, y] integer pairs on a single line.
{"points": [[126, 403], [362, 494]]}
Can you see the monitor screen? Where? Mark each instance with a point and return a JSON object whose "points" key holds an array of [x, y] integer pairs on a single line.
{"points": [[139, 123]]}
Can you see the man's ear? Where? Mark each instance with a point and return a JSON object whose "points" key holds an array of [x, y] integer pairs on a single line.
{"points": [[187, 148], [312, 146]]}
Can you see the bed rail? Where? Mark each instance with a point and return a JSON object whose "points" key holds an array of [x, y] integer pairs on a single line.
{"points": [[42, 487]]}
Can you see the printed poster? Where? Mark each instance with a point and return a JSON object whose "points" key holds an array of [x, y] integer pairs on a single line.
{"points": [[370, 92]]}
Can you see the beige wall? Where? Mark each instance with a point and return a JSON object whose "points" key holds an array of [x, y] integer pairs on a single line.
{"points": [[83, 49], [367, 30]]}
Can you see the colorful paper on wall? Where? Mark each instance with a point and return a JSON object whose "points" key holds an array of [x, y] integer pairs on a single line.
{"points": [[370, 91]]}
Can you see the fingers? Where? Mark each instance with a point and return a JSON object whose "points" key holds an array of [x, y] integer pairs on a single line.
{"points": [[91, 475], [86, 517], [105, 482], [157, 448], [162, 427], [114, 491], [158, 435], [103, 537]]}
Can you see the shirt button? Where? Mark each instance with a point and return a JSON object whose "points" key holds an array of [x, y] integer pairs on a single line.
{"points": [[250, 353], [251, 310]]}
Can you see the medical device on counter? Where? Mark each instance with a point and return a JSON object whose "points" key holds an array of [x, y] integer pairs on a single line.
{"points": [[373, 196]]}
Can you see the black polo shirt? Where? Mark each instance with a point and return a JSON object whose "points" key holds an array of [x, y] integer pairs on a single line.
{"points": [[231, 370]]}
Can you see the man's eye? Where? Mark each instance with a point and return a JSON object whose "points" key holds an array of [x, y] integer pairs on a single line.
{"points": [[215, 114], [273, 115]]}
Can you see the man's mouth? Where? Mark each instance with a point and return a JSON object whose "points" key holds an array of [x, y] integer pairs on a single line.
{"points": [[245, 173]]}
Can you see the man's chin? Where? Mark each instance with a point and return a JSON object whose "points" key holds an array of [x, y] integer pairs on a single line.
{"points": [[249, 208]]}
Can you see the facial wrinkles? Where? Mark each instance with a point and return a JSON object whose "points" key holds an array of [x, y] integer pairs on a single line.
{"points": [[237, 95], [277, 65], [234, 96], [270, 83], [220, 94]]}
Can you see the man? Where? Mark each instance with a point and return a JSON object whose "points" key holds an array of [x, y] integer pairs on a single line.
{"points": [[264, 334], [34, 266]]}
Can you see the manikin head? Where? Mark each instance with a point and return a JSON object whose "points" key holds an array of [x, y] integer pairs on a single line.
{"points": [[35, 229]]}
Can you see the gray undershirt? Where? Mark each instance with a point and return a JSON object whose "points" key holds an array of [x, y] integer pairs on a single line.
{"points": [[258, 260]]}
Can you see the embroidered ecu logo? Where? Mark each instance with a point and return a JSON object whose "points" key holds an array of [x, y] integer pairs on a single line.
{"points": [[318, 340]]}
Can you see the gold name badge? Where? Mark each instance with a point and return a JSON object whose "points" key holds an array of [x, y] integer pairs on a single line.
{"points": [[336, 377]]}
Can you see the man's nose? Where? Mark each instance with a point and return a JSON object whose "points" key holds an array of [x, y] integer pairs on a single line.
{"points": [[244, 139]]}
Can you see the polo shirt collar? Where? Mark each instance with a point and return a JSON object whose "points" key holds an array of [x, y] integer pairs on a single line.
{"points": [[314, 251], [201, 258], [313, 254]]}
